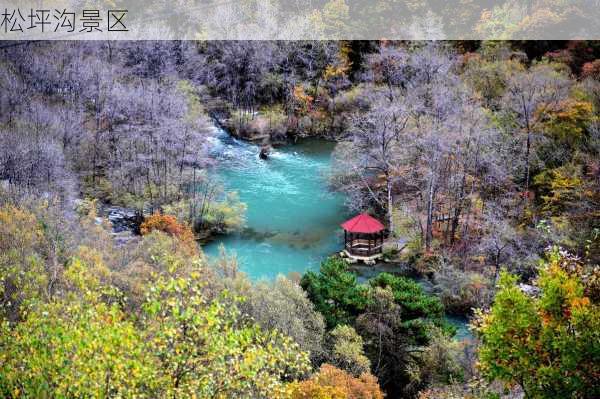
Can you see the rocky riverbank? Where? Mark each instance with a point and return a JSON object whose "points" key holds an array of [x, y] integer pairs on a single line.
{"points": [[125, 222], [264, 128]]}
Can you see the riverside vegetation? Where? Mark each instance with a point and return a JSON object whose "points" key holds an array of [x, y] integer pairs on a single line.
{"points": [[482, 158]]}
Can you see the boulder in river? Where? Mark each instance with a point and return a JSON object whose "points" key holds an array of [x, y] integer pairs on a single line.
{"points": [[264, 152]]}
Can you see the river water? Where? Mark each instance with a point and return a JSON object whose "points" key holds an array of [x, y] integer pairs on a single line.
{"points": [[292, 220]]}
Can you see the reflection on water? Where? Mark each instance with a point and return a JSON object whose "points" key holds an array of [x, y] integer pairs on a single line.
{"points": [[292, 219]]}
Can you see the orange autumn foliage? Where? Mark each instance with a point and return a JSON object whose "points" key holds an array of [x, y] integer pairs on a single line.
{"points": [[333, 383], [169, 224], [303, 100], [591, 69]]}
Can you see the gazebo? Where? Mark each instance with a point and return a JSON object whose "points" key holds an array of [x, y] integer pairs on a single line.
{"points": [[363, 238]]}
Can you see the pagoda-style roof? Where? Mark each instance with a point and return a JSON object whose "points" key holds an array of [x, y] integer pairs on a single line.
{"points": [[363, 223]]}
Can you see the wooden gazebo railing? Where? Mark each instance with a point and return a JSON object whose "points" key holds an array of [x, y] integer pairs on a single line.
{"points": [[364, 246]]}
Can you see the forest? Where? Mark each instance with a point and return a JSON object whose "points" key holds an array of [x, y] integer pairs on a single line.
{"points": [[482, 159]]}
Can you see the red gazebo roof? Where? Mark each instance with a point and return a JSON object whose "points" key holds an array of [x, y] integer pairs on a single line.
{"points": [[363, 223]]}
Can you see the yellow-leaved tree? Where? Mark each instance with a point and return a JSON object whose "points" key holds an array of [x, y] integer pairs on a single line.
{"points": [[548, 345]]}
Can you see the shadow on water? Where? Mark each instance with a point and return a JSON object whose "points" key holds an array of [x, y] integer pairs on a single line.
{"points": [[295, 239]]}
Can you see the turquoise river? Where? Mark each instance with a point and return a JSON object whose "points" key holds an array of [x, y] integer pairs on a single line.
{"points": [[292, 219]]}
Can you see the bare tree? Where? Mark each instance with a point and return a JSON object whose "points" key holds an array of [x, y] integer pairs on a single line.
{"points": [[425, 142], [526, 93], [375, 139], [500, 241]]}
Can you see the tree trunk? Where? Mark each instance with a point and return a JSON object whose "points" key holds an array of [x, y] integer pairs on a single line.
{"points": [[429, 228], [458, 211], [390, 206], [527, 152]]}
